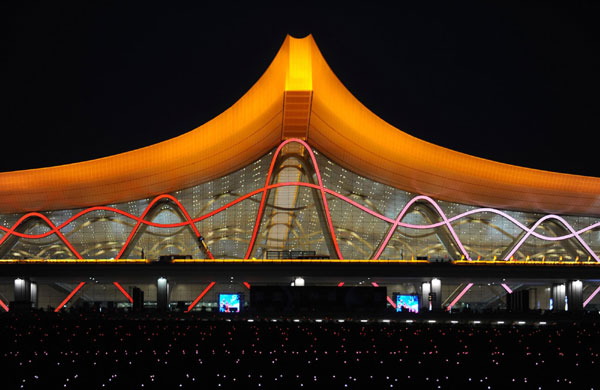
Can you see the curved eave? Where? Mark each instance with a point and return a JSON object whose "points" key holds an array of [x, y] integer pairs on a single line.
{"points": [[339, 126], [235, 138], [352, 136]]}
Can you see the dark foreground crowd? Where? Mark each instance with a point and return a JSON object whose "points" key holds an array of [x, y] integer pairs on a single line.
{"points": [[77, 351]]}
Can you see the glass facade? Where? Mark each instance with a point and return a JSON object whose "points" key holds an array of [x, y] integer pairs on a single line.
{"points": [[295, 217]]}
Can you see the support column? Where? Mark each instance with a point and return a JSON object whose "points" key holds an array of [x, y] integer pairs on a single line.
{"points": [[574, 293], [557, 295], [22, 290], [544, 295], [436, 294], [162, 294], [425, 294], [138, 299], [33, 288], [22, 295]]}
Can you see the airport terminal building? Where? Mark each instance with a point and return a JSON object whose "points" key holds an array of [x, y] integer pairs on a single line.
{"points": [[298, 182]]}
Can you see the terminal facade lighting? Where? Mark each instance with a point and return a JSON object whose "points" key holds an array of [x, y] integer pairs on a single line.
{"points": [[299, 164], [301, 138]]}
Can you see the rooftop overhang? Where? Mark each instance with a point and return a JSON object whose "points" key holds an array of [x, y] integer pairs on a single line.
{"points": [[298, 97]]}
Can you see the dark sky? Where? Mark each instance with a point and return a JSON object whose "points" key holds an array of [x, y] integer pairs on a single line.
{"points": [[513, 84]]}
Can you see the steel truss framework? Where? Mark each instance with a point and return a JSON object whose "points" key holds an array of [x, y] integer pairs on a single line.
{"points": [[334, 212]]}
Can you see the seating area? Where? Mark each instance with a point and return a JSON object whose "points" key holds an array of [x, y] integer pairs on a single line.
{"points": [[124, 351]]}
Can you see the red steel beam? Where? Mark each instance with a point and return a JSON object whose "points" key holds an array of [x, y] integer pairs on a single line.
{"points": [[63, 303], [203, 293], [123, 291], [391, 301]]}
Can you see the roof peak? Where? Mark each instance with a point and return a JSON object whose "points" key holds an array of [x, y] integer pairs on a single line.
{"points": [[308, 36]]}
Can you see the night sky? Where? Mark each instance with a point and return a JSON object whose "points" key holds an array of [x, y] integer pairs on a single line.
{"points": [[513, 84]]}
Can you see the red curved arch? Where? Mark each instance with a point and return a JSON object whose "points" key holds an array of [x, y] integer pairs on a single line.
{"points": [[54, 229]]}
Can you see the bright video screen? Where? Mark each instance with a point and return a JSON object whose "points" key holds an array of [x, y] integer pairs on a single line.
{"points": [[229, 303], [409, 303]]}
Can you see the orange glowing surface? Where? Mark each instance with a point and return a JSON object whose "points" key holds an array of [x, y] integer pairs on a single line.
{"points": [[339, 126]]}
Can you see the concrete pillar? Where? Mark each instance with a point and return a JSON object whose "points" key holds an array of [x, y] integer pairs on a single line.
{"points": [[574, 293], [557, 297], [544, 297], [22, 290], [33, 288], [162, 294], [22, 297], [539, 298], [533, 299], [425, 291], [436, 294]]}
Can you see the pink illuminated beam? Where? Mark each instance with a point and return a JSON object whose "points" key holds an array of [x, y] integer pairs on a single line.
{"points": [[395, 222], [539, 221], [340, 284], [519, 224], [321, 188], [508, 290], [358, 205], [447, 221], [591, 296], [390, 300], [263, 199], [3, 305], [403, 212], [148, 208], [68, 298], [247, 285], [463, 292], [55, 229]]}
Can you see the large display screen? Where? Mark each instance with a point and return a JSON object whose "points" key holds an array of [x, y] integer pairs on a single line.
{"points": [[229, 303], [409, 303]]}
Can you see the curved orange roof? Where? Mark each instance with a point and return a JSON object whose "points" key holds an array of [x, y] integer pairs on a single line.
{"points": [[299, 96]]}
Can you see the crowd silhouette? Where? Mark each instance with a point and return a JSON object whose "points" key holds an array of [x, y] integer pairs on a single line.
{"points": [[124, 351]]}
